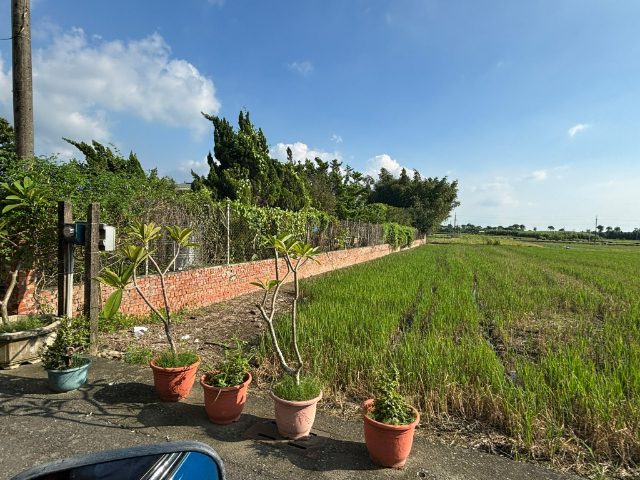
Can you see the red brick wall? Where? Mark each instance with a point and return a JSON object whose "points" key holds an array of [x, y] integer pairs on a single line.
{"points": [[193, 288]]}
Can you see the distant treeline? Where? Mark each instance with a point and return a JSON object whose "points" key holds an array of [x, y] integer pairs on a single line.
{"points": [[603, 233]]}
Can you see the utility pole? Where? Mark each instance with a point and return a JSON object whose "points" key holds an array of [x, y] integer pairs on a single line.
{"points": [[595, 232], [22, 78]]}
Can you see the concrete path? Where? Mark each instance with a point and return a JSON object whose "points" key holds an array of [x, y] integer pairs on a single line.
{"points": [[118, 407]]}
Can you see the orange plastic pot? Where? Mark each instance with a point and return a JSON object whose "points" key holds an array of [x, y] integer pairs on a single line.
{"points": [[388, 445], [173, 384], [225, 404], [294, 419]]}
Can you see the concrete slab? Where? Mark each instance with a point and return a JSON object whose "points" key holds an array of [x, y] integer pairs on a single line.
{"points": [[118, 407]]}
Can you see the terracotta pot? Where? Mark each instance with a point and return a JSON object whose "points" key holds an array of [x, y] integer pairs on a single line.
{"points": [[388, 445], [224, 405], [294, 419], [174, 384]]}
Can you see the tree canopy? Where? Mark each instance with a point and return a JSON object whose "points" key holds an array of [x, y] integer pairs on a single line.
{"points": [[241, 169]]}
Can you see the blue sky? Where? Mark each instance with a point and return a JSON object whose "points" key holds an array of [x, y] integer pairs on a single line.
{"points": [[534, 107]]}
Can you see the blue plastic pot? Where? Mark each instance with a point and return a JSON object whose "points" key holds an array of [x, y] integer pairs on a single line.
{"points": [[71, 379]]}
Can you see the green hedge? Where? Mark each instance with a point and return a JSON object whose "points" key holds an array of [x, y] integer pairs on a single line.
{"points": [[398, 236]]}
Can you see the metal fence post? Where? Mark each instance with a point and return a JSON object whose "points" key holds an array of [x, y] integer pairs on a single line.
{"points": [[64, 216], [228, 232]]}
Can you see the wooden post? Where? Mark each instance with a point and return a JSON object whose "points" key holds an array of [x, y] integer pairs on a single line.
{"points": [[92, 270], [64, 216], [22, 77]]}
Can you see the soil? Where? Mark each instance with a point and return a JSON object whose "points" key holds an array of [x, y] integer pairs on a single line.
{"points": [[205, 330]]}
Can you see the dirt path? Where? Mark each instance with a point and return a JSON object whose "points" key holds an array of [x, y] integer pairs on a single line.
{"points": [[205, 329]]}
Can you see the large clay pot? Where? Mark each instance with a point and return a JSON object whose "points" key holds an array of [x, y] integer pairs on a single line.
{"points": [[174, 384], [70, 379], [225, 404], [294, 419], [388, 445]]}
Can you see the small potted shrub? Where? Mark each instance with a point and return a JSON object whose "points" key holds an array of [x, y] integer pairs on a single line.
{"points": [[25, 234], [66, 368], [389, 423], [225, 386], [296, 396], [173, 372]]}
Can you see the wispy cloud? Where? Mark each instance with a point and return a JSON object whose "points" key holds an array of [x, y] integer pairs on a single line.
{"points": [[577, 128], [303, 68], [499, 64], [498, 193], [336, 138], [539, 175]]}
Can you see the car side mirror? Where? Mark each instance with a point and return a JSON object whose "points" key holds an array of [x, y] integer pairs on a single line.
{"points": [[165, 461]]}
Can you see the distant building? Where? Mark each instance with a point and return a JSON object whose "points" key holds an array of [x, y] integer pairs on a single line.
{"points": [[183, 186]]}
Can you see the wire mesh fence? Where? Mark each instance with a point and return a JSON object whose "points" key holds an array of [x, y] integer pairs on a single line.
{"points": [[225, 234]]}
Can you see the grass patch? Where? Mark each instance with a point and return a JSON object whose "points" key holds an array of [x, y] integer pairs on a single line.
{"points": [[168, 359], [138, 356], [29, 323], [287, 389], [123, 321]]}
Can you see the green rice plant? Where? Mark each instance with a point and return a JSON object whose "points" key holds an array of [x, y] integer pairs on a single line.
{"points": [[541, 343]]}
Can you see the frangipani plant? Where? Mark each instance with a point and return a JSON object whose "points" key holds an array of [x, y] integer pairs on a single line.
{"points": [[23, 228], [296, 255], [136, 252]]}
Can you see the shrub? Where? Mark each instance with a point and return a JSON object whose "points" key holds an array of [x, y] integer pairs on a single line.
{"points": [[232, 370], [72, 339], [389, 407]]}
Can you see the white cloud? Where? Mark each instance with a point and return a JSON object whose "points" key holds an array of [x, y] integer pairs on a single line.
{"points": [[499, 64], [497, 193], [576, 128], [200, 167], [539, 175], [79, 82], [5, 88], [336, 138], [303, 68], [301, 152], [384, 161], [215, 2]]}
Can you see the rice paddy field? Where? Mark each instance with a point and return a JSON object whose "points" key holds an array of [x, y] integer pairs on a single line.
{"points": [[540, 343]]}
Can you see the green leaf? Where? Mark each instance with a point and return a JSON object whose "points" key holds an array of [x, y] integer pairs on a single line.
{"points": [[113, 303], [10, 207]]}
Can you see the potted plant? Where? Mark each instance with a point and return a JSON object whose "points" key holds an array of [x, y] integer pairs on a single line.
{"points": [[66, 369], [389, 423], [173, 372], [295, 397], [25, 232], [225, 386]]}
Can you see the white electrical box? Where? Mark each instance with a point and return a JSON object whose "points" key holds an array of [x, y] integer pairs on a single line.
{"points": [[107, 238]]}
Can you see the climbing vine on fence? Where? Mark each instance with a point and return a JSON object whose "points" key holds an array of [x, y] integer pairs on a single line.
{"points": [[398, 235]]}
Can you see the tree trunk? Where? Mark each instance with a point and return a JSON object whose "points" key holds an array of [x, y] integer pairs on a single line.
{"points": [[8, 292]]}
